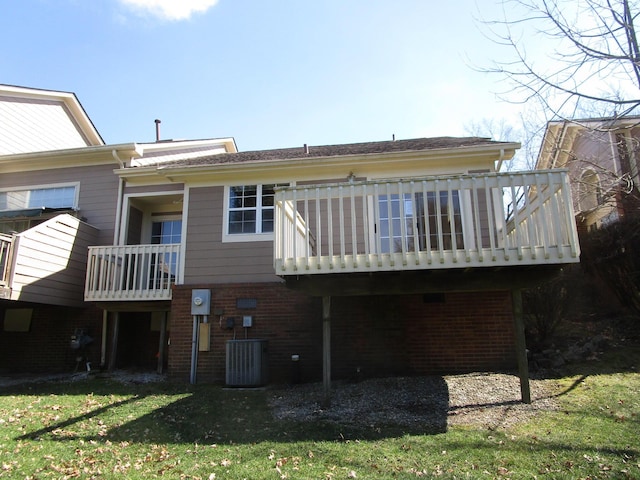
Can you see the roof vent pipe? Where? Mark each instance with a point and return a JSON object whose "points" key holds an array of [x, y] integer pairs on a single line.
{"points": [[393, 137], [158, 122], [306, 149]]}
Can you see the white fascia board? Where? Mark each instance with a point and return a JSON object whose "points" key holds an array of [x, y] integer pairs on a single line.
{"points": [[169, 145], [72, 157], [438, 160]]}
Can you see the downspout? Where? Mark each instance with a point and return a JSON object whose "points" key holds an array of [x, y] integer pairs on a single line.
{"points": [[500, 160], [194, 349], [116, 231], [116, 236]]}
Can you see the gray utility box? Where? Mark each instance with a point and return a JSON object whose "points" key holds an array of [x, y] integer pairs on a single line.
{"points": [[246, 363]]}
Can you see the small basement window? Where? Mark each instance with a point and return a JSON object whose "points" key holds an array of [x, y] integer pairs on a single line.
{"points": [[17, 319]]}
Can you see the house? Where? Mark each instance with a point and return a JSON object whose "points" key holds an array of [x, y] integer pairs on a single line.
{"points": [[601, 155], [380, 258], [58, 195]]}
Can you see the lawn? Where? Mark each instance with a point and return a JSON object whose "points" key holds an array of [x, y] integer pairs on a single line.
{"points": [[99, 428]]}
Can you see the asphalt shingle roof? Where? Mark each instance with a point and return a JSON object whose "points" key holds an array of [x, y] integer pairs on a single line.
{"points": [[415, 144]]}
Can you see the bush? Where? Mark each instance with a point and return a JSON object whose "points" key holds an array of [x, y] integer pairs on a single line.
{"points": [[545, 307], [612, 253]]}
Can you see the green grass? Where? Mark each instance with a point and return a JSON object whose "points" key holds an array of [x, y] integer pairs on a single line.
{"points": [[102, 429]]}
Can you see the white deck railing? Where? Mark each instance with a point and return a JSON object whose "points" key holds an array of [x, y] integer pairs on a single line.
{"points": [[6, 251], [131, 272], [425, 223]]}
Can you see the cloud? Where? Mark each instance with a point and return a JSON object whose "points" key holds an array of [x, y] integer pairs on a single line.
{"points": [[170, 9]]}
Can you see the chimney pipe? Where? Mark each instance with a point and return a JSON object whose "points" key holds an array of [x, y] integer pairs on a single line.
{"points": [[158, 122], [306, 148]]}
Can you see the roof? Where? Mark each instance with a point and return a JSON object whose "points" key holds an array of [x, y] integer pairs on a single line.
{"points": [[323, 151], [560, 135], [603, 122]]}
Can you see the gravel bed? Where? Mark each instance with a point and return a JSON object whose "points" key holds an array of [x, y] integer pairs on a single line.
{"points": [[488, 400]]}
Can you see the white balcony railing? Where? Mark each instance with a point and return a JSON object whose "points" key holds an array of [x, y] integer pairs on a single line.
{"points": [[131, 272], [425, 223], [6, 254]]}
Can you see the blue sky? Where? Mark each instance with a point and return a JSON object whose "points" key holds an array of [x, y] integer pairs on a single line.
{"points": [[270, 73]]}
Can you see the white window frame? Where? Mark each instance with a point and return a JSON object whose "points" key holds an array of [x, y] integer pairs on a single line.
{"points": [[30, 188], [245, 237]]}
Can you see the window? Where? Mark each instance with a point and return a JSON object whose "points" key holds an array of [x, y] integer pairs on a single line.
{"points": [[166, 232], [438, 221], [47, 197], [23, 208], [250, 209], [164, 266], [589, 190], [391, 219]]}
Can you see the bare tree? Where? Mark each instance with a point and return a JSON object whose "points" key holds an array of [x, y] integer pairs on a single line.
{"points": [[529, 131], [592, 57]]}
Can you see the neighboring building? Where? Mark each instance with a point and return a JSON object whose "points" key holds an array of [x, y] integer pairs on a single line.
{"points": [[58, 195], [372, 259], [601, 155]]}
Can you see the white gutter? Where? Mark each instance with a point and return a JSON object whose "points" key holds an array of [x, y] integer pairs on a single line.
{"points": [[500, 160]]}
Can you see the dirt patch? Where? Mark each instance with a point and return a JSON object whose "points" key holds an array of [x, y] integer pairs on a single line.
{"points": [[489, 400]]}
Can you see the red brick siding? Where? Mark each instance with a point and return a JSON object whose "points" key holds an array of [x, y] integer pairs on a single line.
{"points": [[291, 322], [46, 347], [384, 335]]}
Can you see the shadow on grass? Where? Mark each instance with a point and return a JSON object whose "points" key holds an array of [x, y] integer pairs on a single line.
{"points": [[208, 414]]}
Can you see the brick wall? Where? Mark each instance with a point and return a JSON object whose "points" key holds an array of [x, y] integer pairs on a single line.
{"points": [[291, 322], [375, 336], [46, 347]]}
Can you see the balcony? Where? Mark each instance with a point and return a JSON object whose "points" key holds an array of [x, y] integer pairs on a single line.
{"points": [[132, 272], [431, 223]]}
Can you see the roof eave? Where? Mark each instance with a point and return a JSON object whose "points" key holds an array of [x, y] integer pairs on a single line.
{"points": [[184, 173], [82, 156]]}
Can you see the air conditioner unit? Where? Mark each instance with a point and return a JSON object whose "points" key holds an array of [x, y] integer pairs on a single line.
{"points": [[246, 363]]}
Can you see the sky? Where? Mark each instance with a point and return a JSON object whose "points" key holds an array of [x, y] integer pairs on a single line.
{"points": [[270, 73]]}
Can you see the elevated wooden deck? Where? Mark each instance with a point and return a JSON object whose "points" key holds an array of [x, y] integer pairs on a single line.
{"points": [[481, 221]]}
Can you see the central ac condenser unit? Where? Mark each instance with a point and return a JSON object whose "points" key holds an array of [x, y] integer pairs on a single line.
{"points": [[246, 363]]}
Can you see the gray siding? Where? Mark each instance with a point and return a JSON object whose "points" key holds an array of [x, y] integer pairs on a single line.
{"points": [[97, 198], [51, 261], [208, 260]]}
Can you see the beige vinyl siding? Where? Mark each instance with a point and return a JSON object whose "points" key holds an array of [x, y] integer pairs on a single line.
{"points": [[97, 197], [208, 260], [50, 262], [35, 125]]}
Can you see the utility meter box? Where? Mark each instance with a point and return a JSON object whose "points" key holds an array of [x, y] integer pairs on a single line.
{"points": [[200, 302]]}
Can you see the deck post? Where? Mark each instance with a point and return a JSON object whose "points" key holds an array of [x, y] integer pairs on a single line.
{"points": [[326, 350], [114, 341], [521, 345], [162, 342]]}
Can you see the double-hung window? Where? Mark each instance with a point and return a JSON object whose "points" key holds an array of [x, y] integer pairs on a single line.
{"points": [[249, 213]]}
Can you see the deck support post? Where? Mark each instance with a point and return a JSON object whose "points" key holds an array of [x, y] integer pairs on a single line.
{"points": [[521, 345], [162, 342], [114, 341], [103, 339], [326, 350]]}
